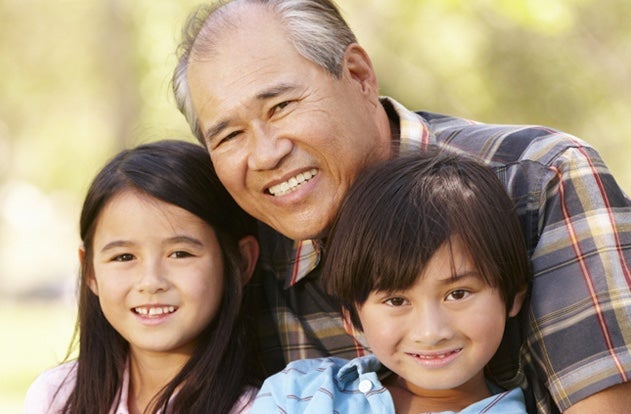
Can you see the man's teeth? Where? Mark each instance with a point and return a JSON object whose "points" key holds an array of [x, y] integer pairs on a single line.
{"points": [[292, 183], [154, 310]]}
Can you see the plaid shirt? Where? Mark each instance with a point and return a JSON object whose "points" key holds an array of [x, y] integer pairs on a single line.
{"points": [[575, 337]]}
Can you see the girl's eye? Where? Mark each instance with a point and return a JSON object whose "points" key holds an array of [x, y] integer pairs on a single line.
{"points": [[180, 255], [125, 257], [396, 301], [458, 294]]}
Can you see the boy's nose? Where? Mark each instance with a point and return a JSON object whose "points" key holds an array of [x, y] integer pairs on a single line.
{"points": [[430, 326]]}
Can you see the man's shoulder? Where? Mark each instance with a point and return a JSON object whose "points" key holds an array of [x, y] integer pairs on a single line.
{"points": [[450, 124], [498, 142]]}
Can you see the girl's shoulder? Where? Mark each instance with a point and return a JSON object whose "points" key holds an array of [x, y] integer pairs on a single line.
{"points": [[50, 390], [244, 403]]}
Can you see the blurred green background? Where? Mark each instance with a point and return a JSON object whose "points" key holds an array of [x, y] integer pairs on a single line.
{"points": [[81, 79]]}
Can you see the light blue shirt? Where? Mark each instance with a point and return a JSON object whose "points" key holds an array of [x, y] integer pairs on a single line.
{"points": [[328, 385]]}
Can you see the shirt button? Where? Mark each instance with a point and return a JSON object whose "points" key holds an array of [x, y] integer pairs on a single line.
{"points": [[365, 386]]}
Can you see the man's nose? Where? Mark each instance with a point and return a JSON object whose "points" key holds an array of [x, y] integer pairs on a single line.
{"points": [[267, 147]]}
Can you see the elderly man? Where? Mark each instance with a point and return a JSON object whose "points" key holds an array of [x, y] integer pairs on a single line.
{"points": [[287, 103]]}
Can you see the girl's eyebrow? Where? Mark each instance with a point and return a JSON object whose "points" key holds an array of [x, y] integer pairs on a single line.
{"points": [[184, 239], [116, 243], [172, 240]]}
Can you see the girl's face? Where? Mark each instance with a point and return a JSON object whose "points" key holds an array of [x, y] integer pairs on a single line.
{"points": [[439, 334], [158, 273]]}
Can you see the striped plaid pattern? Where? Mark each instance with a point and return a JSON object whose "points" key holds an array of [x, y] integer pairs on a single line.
{"points": [[575, 337]]}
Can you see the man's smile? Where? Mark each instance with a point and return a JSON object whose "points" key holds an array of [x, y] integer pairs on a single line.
{"points": [[292, 183]]}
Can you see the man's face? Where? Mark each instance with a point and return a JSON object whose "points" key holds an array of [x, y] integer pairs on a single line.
{"points": [[287, 139]]}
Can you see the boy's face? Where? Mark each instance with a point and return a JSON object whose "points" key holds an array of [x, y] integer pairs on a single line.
{"points": [[439, 334]]}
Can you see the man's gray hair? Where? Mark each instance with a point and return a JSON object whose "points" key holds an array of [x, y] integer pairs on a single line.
{"points": [[315, 27]]}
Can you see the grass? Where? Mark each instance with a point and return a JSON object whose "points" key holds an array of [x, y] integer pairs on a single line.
{"points": [[34, 336]]}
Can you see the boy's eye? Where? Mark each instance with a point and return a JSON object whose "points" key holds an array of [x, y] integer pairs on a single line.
{"points": [[458, 294], [396, 301]]}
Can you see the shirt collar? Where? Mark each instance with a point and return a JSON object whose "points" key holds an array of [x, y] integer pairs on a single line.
{"points": [[414, 133], [357, 368]]}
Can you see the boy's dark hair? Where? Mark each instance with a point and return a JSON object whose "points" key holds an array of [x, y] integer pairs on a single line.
{"points": [[400, 212]]}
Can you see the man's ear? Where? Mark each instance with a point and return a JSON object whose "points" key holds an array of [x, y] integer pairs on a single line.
{"points": [[249, 249], [520, 297], [358, 65], [90, 280]]}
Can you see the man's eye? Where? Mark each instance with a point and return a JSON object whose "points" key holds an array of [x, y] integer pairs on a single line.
{"points": [[228, 137], [396, 301], [279, 107]]}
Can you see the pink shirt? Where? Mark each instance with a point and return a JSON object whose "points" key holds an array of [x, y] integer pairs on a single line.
{"points": [[50, 390]]}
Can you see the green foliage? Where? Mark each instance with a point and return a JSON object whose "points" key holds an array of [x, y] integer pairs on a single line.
{"points": [[561, 63], [83, 79]]}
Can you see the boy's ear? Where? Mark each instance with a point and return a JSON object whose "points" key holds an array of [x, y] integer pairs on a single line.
{"points": [[348, 324], [91, 281], [249, 249], [520, 297]]}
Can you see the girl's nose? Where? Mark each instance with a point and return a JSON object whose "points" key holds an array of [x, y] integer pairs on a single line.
{"points": [[152, 278]]}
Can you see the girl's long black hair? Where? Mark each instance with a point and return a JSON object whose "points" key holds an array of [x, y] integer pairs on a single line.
{"points": [[223, 364]]}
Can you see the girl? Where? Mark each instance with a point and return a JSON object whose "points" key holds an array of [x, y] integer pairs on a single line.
{"points": [[428, 262], [165, 257]]}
